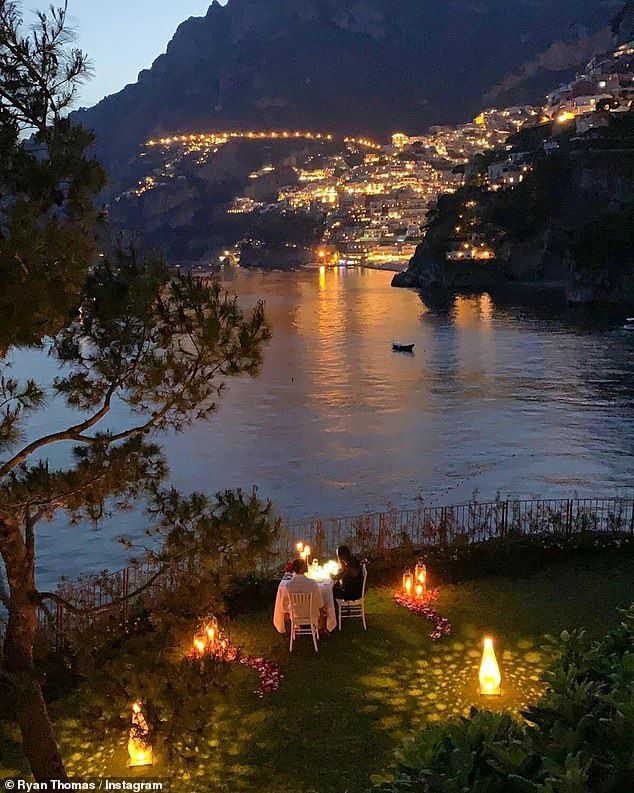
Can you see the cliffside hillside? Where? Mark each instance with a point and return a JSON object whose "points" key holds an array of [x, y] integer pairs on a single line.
{"points": [[568, 224], [353, 66]]}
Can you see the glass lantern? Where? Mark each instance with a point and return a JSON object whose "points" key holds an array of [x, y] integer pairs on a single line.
{"points": [[420, 574]]}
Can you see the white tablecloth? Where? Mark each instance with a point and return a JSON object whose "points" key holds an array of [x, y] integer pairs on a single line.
{"points": [[281, 605]]}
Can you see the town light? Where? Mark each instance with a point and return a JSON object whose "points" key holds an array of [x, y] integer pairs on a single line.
{"points": [[139, 748], [564, 117], [490, 677], [408, 582]]}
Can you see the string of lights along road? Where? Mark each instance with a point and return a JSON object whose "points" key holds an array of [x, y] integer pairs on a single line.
{"points": [[218, 138]]}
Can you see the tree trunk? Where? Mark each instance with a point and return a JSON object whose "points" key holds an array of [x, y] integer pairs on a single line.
{"points": [[38, 741]]}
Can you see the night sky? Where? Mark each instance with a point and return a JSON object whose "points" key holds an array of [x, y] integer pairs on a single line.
{"points": [[124, 36]]}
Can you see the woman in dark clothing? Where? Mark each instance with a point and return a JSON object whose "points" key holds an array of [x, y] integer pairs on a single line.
{"points": [[349, 584]]}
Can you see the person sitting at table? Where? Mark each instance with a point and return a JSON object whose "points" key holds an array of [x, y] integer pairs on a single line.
{"points": [[300, 583], [349, 581]]}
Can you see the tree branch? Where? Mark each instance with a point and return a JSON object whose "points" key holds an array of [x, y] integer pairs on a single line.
{"points": [[70, 434]]}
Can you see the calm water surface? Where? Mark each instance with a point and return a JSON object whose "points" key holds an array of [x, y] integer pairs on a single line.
{"points": [[528, 401]]}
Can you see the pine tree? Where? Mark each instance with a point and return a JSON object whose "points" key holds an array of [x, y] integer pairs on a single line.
{"points": [[124, 330]]}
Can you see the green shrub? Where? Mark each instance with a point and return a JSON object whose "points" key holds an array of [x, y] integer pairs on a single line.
{"points": [[579, 738]]}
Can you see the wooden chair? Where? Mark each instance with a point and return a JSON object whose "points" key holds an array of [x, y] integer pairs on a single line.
{"points": [[354, 608], [302, 622]]}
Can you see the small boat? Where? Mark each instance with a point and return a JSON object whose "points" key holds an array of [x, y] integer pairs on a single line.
{"points": [[402, 347]]}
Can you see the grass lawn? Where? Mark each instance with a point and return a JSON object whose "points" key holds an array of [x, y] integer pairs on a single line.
{"points": [[339, 715]]}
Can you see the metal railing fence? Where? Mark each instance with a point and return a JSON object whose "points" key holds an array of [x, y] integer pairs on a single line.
{"points": [[372, 533]]}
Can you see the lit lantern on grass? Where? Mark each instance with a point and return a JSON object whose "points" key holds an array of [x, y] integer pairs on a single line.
{"points": [[420, 575], [139, 748], [211, 631], [419, 590], [490, 677], [408, 582]]}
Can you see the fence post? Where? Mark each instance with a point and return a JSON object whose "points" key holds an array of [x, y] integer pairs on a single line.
{"points": [[442, 534], [505, 518], [59, 626], [126, 591], [632, 520], [380, 540], [569, 517], [319, 540]]}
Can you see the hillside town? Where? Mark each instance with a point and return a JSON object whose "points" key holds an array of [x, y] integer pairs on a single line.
{"points": [[368, 204], [373, 201]]}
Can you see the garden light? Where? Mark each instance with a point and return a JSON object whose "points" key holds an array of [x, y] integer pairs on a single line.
{"points": [[139, 749], [420, 574], [408, 582], [490, 676], [211, 632]]}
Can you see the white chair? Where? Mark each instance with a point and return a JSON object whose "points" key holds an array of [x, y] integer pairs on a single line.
{"points": [[302, 620], [354, 608]]}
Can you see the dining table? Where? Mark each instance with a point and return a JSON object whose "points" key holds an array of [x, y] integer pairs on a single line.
{"points": [[282, 605]]}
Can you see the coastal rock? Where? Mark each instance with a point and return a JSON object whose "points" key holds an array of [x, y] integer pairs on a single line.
{"points": [[404, 279]]}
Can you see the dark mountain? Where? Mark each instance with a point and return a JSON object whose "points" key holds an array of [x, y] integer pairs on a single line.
{"points": [[352, 66]]}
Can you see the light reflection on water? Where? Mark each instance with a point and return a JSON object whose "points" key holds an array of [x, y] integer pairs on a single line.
{"points": [[498, 399], [521, 400]]}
